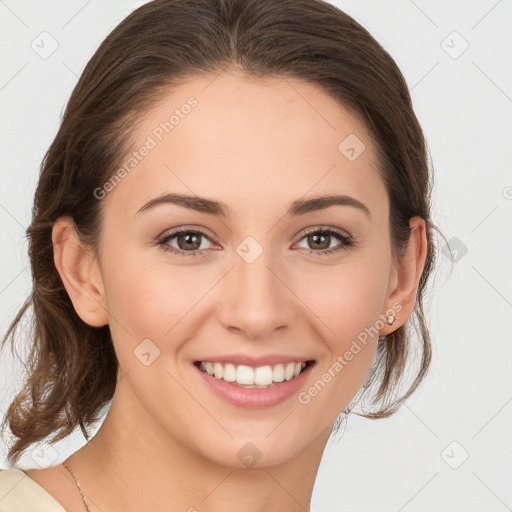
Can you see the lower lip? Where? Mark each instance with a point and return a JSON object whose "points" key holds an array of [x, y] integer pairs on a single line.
{"points": [[255, 397]]}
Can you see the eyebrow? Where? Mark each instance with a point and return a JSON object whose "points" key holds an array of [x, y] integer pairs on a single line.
{"points": [[220, 209]]}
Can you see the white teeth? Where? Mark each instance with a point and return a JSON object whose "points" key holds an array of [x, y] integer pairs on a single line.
{"points": [[263, 376], [260, 377], [288, 371], [217, 368], [278, 373], [229, 373], [245, 375]]}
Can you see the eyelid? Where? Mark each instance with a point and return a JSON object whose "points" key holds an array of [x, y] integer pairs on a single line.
{"points": [[345, 238], [204, 232], [164, 239], [320, 228], [188, 227]]}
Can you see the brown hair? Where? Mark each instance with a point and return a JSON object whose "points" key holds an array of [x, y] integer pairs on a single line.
{"points": [[72, 367]]}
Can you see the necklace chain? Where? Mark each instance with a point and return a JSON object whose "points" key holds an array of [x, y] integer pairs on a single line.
{"points": [[65, 464]]}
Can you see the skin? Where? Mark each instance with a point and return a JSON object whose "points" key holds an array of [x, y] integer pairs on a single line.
{"points": [[168, 443]]}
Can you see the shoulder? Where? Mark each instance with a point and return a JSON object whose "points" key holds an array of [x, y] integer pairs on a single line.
{"points": [[19, 493]]}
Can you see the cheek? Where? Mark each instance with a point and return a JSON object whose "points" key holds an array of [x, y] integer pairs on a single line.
{"points": [[150, 299], [346, 298], [348, 302]]}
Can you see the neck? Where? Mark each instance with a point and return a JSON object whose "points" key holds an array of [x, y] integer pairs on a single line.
{"points": [[134, 465]]}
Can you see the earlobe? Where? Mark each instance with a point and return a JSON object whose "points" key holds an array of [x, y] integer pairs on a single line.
{"points": [[80, 273], [402, 299]]}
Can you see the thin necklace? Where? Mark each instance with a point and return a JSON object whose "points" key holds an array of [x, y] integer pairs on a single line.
{"points": [[65, 464]]}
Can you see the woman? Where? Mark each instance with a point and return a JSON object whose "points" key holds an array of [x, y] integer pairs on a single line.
{"points": [[231, 236]]}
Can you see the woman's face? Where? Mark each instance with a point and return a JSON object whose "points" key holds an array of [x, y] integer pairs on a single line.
{"points": [[248, 282]]}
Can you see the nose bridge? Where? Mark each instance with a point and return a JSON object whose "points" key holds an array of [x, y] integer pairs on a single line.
{"points": [[252, 269], [258, 302]]}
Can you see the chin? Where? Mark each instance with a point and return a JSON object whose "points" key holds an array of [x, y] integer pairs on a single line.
{"points": [[258, 450]]}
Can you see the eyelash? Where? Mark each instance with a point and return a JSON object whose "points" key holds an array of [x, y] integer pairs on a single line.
{"points": [[346, 240]]}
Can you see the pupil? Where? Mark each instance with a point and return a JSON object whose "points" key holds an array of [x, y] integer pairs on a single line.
{"points": [[191, 241], [314, 240]]}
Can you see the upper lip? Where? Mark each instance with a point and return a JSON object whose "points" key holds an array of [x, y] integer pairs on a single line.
{"points": [[255, 361]]}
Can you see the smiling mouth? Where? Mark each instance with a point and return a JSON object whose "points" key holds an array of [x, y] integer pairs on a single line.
{"points": [[253, 377]]}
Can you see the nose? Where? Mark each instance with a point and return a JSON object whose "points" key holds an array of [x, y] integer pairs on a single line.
{"points": [[258, 300]]}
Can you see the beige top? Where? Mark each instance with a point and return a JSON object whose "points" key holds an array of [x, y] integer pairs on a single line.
{"points": [[19, 493]]}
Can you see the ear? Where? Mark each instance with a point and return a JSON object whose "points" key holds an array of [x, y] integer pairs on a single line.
{"points": [[80, 273], [406, 276]]}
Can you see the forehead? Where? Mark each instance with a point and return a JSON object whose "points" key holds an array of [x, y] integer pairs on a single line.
{"points": [[268, 138]]}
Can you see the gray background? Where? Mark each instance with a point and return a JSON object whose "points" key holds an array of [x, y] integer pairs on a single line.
{"points": [[415, 460]]}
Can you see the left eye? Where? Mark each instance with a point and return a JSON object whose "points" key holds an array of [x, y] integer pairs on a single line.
{"points": [[189, 242], [320, 241]]}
